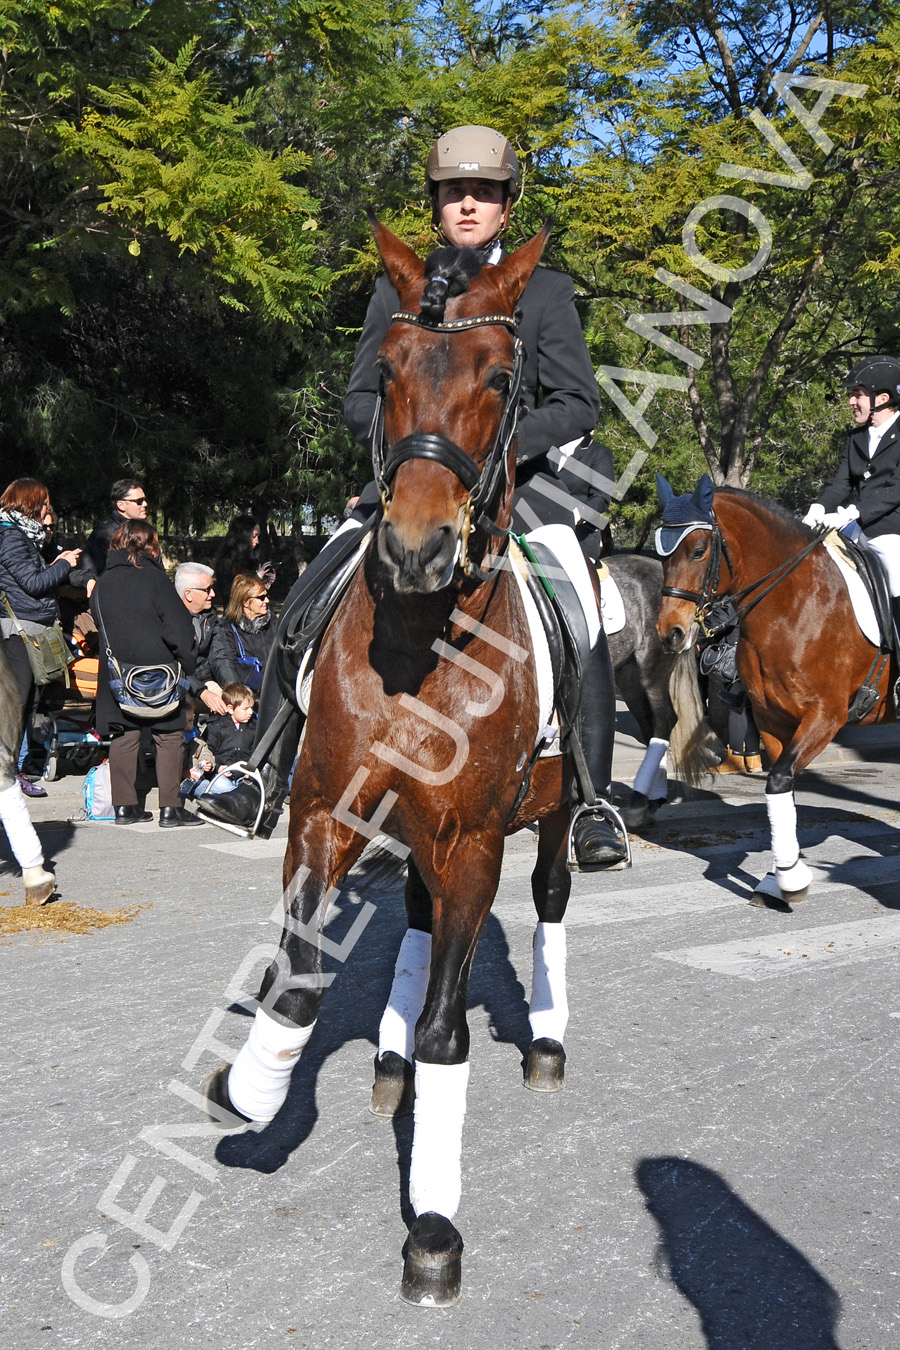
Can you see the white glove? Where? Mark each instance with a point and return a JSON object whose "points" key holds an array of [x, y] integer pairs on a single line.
{"points": [[836, 520], [815, 515]]}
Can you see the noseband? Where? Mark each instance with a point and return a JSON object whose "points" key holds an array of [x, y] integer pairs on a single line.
{"points": [[480, 484]]}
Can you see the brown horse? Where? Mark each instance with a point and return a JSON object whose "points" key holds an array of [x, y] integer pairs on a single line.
{"points": [[801, 655], [422, 725]]}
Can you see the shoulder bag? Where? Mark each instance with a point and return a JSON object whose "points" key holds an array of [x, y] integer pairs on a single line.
{"points": [[145, 692], [48, 653]]}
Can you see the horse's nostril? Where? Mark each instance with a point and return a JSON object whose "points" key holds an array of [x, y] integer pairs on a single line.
{"points": [[393, 545], [433, 545]]}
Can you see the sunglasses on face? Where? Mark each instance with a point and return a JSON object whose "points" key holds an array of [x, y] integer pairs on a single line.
{"points": [[205, 589], [136, 501]]}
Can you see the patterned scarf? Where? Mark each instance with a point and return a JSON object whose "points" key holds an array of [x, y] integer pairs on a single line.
{"points": [[33, 528]]}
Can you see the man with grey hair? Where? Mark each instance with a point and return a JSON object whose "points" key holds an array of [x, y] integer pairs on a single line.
{"points": [[194, 583]]}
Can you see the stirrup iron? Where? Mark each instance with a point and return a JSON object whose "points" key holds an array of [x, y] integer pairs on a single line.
{"points": [[615, 821]]}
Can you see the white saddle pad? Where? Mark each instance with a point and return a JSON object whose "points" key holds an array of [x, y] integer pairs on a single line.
{"points": [[863, 609], [612, 606]]}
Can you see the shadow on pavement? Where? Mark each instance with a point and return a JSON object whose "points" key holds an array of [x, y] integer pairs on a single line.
{"points": [[752, 1289]]}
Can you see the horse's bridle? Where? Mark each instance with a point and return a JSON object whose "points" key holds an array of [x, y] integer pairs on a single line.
{"points": [[706, 599], [481, 484]]}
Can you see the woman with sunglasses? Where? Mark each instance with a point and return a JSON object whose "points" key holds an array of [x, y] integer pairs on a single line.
{"points": [[242, 643]]}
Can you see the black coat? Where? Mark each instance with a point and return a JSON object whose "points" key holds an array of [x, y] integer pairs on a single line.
{"points": [[223, 655], [229, 743], [30, 586], [871, 484], [204, 626], [92, 562], [559, 389], [146, 623]]}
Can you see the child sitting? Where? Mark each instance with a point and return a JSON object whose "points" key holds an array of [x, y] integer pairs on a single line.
{"points": [[229, 738]]}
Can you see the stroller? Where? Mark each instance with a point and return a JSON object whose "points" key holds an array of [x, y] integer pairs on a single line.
{"points": [[67, 733]]}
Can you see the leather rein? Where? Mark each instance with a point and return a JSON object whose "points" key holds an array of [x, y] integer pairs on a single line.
{"points": [[708, 598], [481, 484]]}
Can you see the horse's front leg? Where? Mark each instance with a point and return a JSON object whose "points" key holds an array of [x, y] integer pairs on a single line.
{"points": [[393, 1092], [790, 878], [319, 853], [462, 898], [548, 1014]]}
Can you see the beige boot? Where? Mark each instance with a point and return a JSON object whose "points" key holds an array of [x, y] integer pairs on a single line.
{"points": [[39, 885], [753, 763], [732, 763]]}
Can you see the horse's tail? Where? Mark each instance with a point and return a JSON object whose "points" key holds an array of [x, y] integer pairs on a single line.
{"points": [[10, 723], [694, 746]]}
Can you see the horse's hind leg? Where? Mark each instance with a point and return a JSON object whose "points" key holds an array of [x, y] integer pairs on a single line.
{"points": [[551, 884], [393, 1092]]}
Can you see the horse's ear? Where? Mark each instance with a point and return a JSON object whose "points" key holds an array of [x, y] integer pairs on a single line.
{"points": [[514, 272], [402, 264], [703, 494], [663, 490]]}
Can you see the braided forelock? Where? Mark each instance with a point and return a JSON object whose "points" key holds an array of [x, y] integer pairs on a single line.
{"points": [[448, 272]]}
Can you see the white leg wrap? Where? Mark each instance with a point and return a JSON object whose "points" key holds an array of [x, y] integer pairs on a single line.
{"points": [[404, 1007], [782, 811], [646, 776], [793, 879], [435, 1177], [260, 1076], [659, 790], [20, 832], [549, 1010]]}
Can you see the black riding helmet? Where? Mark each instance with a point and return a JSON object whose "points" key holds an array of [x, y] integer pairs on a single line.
{"points": [[877, 375]]}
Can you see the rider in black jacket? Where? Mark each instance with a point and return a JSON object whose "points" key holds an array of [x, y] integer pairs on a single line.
{"points": [[471, 175]]}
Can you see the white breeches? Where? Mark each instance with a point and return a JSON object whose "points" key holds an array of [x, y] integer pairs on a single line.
{"points": [[887, 546], [20, 832]]}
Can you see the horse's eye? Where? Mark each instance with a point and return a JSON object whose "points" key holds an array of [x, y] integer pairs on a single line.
{"points": [[387, 370], [501, 381], [698, 550]]}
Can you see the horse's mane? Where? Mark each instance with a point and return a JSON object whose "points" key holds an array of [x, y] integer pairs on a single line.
{"points": [[448, 272], [775, 508]]}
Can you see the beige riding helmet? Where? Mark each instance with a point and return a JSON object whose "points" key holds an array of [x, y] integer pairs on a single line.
{"points": [[472, 152]]}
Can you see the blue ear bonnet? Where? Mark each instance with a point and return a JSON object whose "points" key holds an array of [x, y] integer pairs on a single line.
{"points": [[693, 511]]}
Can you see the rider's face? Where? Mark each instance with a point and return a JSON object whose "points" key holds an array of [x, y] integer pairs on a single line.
{"points": [[860, 405], [472, 210]]}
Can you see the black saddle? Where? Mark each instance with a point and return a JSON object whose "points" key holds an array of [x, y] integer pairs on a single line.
{"points": [[874, 577]]}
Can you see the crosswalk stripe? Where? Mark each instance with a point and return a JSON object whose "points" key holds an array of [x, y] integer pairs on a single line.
{"points": [[796, 949]]}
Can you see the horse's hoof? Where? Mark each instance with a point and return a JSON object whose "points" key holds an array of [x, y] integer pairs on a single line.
{"points": [[432, 1270], [637, 812], [546, 1066], [394, 1089], [219, 1106]]}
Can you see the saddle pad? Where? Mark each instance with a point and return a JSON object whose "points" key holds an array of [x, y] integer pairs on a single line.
{"points": [[543, 667], [859, 596], [612, 606], [563, 544]]}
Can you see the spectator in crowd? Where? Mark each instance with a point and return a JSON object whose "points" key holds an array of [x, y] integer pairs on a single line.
{"points": [[145, 623], [128, 503], [243, 640], [241, 554], [29, 590], [194, 583], [229, 739], [23, 839]]}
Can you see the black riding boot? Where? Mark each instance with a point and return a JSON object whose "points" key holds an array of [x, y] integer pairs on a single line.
{"points": [[239, 809], [598, 838]]}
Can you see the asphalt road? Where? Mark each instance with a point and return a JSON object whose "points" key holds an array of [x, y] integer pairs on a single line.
{"points": [[719, 1171]]}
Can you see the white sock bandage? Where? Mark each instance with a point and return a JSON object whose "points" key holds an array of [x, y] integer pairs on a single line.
{"points": [[397, 1031], [549, 1009], [20, 832], [435, 1175], [260, 1076], [645, 780], [782, 810]]}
